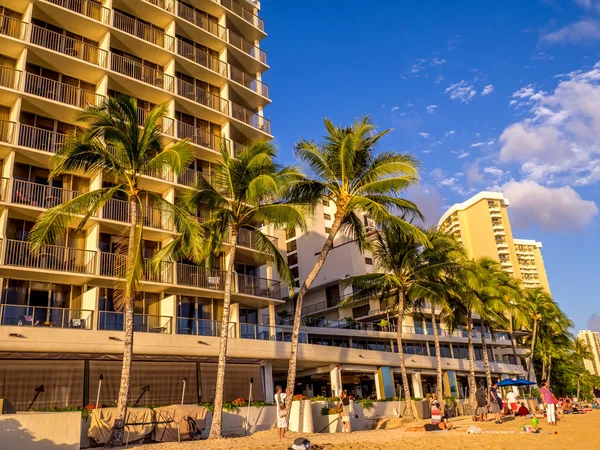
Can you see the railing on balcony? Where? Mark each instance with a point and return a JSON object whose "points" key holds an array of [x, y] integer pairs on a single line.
{"points": [[237, 149], [167, 5], [248, 238], [142, 323], [199, 95], [68, 46], [238, 9], [13, 27], [50, 257], [91, 9], [251, 82], [200, 277], [114, 265], [247, 47], [141, 72], [190, 177], [61, 92], [40, 139], [201, 327], [200, 137], [10, 78], [7, 131], [250, 118], [164, 274], [118, 210], [321, 306], [201, 57], [201, 21], [268, 333], [38, 316], [259, 287], [40, 195], [167, 125], [139, 29]]}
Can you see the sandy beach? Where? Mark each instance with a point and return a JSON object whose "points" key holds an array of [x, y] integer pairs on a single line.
{"points": [[573, 432]]}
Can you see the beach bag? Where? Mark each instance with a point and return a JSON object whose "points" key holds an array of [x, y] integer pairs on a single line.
{"points": [[474, 430], [301, 444], [195, 432]]}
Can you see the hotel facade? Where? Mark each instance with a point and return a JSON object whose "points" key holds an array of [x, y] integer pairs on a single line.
{"points": [[592, 340], [58, 324]]}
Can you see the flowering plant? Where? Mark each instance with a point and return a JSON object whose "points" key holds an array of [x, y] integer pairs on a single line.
{"points": [[299, 397], [239, 402]]}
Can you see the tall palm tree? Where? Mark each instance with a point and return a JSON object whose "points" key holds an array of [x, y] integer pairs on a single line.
{"points": [[581, 352], [407, 271], [113, 142], [355, 180], [538, 306], [244, 193]]}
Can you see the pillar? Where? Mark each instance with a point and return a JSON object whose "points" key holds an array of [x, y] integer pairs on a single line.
{"points": [[234, 317], [417, 385], [267, 375], [385, 380], [89, 302], [335, 375]]}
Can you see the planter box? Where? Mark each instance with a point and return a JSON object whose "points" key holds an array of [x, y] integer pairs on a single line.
{"points": [[42, 430]]}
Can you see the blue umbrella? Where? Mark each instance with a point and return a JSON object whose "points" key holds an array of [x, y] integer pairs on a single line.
{"points": [[520, 382]]}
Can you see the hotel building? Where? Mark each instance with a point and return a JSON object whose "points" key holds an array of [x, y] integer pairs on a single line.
{"points": [[58, 324], [592, 340], [482, 225]]}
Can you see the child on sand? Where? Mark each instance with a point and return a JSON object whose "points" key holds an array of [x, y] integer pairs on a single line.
{"points": [[282, 420]]}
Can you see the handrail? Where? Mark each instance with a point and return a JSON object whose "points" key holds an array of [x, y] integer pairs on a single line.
{"points": [[118, 210], [203, 97], [142, 323], [201, 327], [42, 316], [9, 26], [167, 124], [201, 57], [189, 177], [114, 265], [167, 5], [200, 137], [250, 81], [251, 118], [139, 29], [200, 277], [138, 71], [239, 10], [10, 77], [61, 92], [7, 130], [68, 46], [267, 332], [246, 238], [86, 8], [40, 195], [40, 139], [257, 286], [50, 257]]}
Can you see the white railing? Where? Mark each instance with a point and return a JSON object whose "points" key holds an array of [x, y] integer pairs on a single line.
{"points": [[40, 139], [50, 257], [12, 27], [251, 82], [139, 29], [118, 210], [87, 8], [134, 69], [201, 57], [167, 5], [239, 10], [61, 92], [10, 78], [201, 21], [250, 118], [203, 97], [40, 195], [167, 124], [190, 177], [200, 137]]}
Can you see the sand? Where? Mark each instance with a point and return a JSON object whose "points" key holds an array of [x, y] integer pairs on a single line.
{"points": [[575, 432]]}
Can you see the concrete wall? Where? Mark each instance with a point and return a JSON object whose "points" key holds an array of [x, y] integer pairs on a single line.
{"points": [[40, 431]]}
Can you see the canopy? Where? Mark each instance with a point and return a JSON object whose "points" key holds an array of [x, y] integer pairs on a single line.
{"points": [[520, 382]]}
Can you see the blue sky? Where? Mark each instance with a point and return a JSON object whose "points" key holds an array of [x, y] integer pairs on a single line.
{"points": [[488, 95]]}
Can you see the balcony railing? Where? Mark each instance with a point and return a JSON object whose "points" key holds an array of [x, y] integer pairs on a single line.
{"points": [[40, 139], [248, 238], [250, 118], [114, 265], [199, 95], [87, 8], [200, 327], [247, 47], [200, 277], [190, 177], [251, 82], [167, 5], [40, 195], [142, 323], [10, 78], [13, 27], [68, 46], [239, 10], [259, 287], [201, 21], [321, 306], [38, 316], [7, 131], [61, 92], [201, 57], [139, 29], [200, 137], [268, 333], [50, 257], [237, 149], [118, 210], [141, 72], [167, 124]]}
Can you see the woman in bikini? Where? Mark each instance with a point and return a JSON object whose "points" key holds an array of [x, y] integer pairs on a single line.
{"points": [[441, 426]]}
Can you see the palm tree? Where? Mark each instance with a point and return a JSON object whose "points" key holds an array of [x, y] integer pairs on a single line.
{"points": [[538, 306], [113, 142], [409, 272], [581, 352], [352, 178], [245, 192]]}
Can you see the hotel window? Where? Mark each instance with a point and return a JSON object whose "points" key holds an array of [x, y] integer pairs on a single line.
{"points": [[290, 234], [292, 259], [360, 311], [295, 272], [325, 202], [369, 261], [291, 246], [327, 216]]}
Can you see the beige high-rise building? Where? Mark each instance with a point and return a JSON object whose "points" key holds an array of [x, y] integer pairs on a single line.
{"points": [[592, 340], [482, 225]]}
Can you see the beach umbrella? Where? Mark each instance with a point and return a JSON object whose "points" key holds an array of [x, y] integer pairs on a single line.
{"points": [[519, 382]]}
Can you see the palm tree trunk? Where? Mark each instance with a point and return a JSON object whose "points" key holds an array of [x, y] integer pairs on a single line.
{"points": [[486, 359], [578, 385], [438, 362], [116, 436], [408, 409], [543, 367], [549, 370], [472, 384], [217, 424], [291, 377], [533, 338], [512, 340]]}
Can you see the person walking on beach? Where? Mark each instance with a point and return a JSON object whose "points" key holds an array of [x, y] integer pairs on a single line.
{"points": [[436, 412], [548, 400], [282, 420], [345, 405], [279, 396], [495, 403], [482, 404], [511, 399]]}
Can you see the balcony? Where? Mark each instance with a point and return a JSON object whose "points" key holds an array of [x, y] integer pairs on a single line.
{"points": [[61, 92], [200, 137], [118, 210], [258, 287], [38, 316], [239, 10], [249, 81], [190, 177], [202, 58], [86, 8], [268, 333], [247, 238], [40, 195], [140, 72], [250, 118], [142, 323], [10, 78], [7, 131], [139, 29], [50, 257], [68, 46], [202, 97], [167, 5], [40, 139], [114, 265], [200, 277], [167, 124], [200, 327], [318, 307], [14, 28]]}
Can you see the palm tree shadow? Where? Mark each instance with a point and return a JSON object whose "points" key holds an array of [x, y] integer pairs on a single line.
{"points": [[18, 438]]}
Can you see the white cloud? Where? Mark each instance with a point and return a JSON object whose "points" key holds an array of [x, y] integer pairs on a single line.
{"points": [[542, 56], [409, 104], [427, 151], [439, 79], [487, 90], [424, 135], [431, 109], [449, 133], [437, 173], [461, 91], [584, 30], [494, 171], [589, 4], [480, 144], [430, 202], [437, 61], [463, 155], [552, 209], [395, 108]]}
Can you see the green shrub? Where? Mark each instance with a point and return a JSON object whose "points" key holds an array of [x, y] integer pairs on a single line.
{"points": [[366, 403]]}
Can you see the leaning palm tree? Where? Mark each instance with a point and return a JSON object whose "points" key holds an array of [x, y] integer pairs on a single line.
{"points": [[407, 271], [581, 352], [355, 181], [243, 193], [538, 306], [113, 142]]}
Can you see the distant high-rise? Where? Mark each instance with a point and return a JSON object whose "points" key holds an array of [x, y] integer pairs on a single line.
{"points": [[592, 340]]}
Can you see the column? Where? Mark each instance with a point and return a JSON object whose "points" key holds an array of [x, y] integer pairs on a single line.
{"points": [[335, 375], [267, 372], [234, 317], [417, 385], [89, 302]]}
